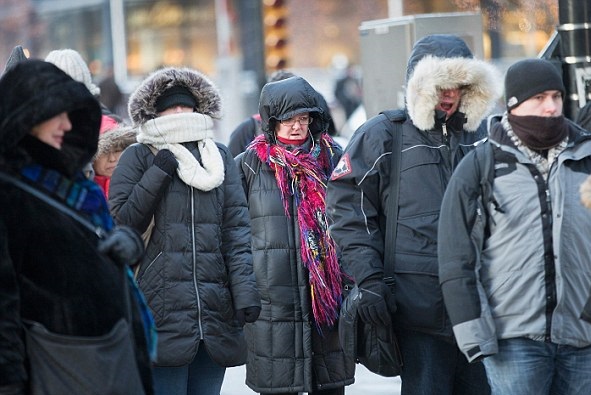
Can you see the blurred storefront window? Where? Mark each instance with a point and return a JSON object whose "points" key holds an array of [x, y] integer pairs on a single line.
{"points": [[183, 32], [170, 33]]}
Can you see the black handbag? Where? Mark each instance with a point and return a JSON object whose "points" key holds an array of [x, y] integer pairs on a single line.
{"points": [[374, 347]]}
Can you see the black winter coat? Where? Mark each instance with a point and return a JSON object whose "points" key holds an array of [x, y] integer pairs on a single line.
{"points": [[285, 351], [51, 270], [427, 163], [432, 146], [197, 269]]}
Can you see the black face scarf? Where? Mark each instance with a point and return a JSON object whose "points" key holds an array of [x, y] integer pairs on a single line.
{"points": [[539, 133]]}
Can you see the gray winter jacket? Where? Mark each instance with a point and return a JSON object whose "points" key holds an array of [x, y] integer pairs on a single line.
{"points": [[197, 270], [520, 269]]}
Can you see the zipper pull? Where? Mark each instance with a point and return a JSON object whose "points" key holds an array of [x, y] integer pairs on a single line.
{"points": [[444, 128]]}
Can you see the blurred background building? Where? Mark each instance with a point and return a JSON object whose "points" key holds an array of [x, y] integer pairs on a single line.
{"points": [[239, 42]]}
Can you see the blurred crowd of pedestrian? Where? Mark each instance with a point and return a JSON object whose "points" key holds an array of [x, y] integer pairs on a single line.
{"points": [[140, 256]]}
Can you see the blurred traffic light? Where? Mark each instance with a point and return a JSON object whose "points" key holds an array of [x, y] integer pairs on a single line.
{"points": [[275, 34]]}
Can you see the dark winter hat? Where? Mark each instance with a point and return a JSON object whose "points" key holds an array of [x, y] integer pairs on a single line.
{"points": [[529, 77], [17, 55], [174, 96]]}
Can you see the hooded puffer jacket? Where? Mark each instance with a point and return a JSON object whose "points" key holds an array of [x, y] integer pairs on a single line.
{"points": [[197, 270], [51, 270], [286, 353], [359, 189]]}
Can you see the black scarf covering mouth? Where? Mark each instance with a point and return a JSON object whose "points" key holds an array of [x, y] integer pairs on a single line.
{"points": [[539, 133]]}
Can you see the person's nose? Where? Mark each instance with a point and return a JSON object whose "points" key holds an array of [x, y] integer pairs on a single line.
{"points": [[65, 123], [449, 93], [550, 106]]}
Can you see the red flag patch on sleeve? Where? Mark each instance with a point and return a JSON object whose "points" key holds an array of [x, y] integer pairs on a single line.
{"points": [[343, 167]]}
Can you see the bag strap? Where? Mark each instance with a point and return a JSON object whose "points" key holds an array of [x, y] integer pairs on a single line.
{"points": [[396, 117], [485, 160], [100, 232]]}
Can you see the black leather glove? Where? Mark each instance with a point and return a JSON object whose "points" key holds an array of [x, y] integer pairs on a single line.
{"points": [[375, 302], [123, 245], [248, 314], [166, 161]]}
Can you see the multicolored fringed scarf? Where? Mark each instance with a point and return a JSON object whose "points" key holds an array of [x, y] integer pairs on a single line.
{"points": [[86, 197], [302, 176]]}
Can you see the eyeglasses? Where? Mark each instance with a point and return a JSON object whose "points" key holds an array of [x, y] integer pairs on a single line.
{"points": [[305, 120]]}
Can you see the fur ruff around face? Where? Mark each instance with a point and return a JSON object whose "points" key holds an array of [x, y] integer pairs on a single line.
{"points": [[480, 82], [116, 139], [142, 102]]}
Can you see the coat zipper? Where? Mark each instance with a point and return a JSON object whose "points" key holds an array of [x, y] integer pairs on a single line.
{"points": [[444, 129], [195, 262]]}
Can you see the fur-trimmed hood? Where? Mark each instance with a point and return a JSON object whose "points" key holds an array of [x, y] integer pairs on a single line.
{"points": [[116, 139], [445, 62], [142, 101]]}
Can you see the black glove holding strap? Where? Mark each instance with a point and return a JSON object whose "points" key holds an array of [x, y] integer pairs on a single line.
{"points": [[248, 314], [123, 245], [166, 161], [376, 302]]}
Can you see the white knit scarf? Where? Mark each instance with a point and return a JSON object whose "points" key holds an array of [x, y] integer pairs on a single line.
{"points": [[169, 131]]}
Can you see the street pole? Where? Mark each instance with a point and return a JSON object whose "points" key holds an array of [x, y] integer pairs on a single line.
{"points": [[575, 46], [253, 52], [571, 47]]}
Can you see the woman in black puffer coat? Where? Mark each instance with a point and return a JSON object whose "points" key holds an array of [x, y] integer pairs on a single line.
{"points": [[293, 346], [197, 272]]}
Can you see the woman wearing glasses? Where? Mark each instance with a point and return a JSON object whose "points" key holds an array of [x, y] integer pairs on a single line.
{"points": [[293, 346]]}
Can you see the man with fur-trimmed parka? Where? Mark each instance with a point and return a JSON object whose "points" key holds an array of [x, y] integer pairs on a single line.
{"points": [[448, 95], [197, 272]]}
